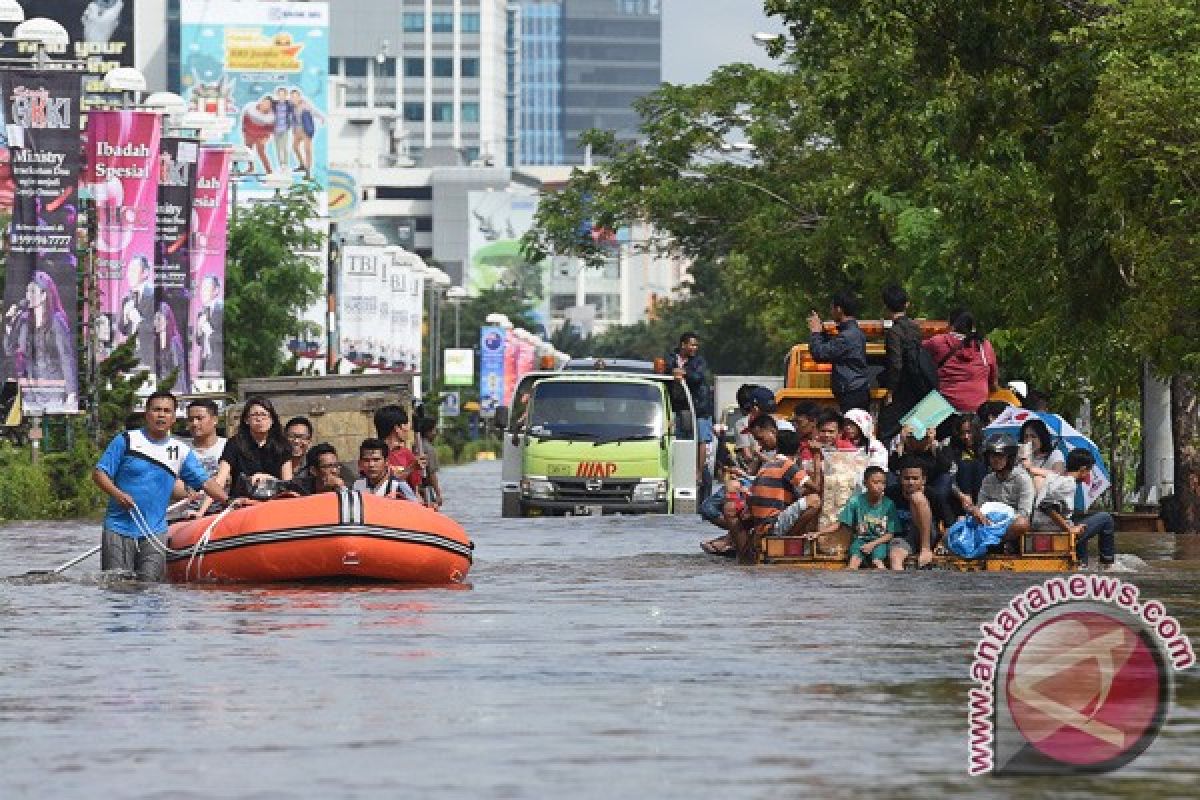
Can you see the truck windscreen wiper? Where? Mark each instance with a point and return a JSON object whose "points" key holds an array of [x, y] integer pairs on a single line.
{"points": [[567, 434], [633, 437]]}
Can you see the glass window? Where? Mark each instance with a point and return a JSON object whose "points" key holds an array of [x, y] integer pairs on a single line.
{"points": [[386, 69], [443, 68], [414, 112], [335, 64], [443, 22], [414, 22], [470, 67], [443, 112], [470, 112], [470, 22], [414, 68], [355, 67]]}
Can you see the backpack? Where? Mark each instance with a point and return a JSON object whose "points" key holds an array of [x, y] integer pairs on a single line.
{"points": [[918, 369]]}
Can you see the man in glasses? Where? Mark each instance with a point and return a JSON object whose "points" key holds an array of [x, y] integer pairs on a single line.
{"points": [[322, 471]]}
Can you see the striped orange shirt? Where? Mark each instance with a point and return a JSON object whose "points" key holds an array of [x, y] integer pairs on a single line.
{"points": [[778, 484]]}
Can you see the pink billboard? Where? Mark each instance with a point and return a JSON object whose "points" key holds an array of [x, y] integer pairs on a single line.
{"points": [[122, 174], [210, 216]]}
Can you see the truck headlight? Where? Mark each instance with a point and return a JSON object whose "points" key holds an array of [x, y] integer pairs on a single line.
{"points": [[537, 489], [649, 491]]}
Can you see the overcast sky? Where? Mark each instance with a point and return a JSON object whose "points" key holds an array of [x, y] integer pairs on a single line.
{"points": [[699, 35]]}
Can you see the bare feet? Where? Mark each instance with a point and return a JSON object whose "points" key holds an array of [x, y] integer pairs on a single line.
{"points": [[925, 558]]}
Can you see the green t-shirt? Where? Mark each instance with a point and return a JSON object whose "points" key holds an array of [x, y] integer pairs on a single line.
{"points": [[870, 521]]}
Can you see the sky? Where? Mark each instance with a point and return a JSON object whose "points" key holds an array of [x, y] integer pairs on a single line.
{"points": [[699, 35]]}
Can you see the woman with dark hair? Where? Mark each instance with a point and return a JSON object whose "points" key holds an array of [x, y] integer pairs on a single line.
{"points": [[38, 340], [1043, 458], [257, 452], [169, 355], [967, 369], [965, 445]]}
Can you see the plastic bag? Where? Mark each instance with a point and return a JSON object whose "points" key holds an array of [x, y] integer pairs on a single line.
{"points": [[969, 539]]}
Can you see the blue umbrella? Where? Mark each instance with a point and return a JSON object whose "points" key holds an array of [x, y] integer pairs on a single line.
{"points": [[1066, 439]]}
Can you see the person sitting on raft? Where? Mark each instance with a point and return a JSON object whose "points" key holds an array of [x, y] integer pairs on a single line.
{"points": [[781, 499], [1007, 483], [377, 477], [871, 518], [1057, 507], [258, 451], [323, 471], [914, 510]]}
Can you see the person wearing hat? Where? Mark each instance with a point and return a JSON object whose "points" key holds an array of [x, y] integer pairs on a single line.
{"points": [[1007, 483]]}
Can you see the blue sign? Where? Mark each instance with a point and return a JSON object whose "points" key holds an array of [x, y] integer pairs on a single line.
{"points": [[491, 366]]}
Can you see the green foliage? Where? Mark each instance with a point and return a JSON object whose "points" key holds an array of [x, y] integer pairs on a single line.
{"points": [[274, 271], [57, 487], [119, 382], [25, 490]]}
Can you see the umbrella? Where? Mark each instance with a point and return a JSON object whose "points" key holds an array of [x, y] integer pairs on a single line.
{"points": [[1066, 439]]}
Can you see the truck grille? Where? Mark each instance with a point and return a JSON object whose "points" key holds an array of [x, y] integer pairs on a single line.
{"points": [[600, 491]]}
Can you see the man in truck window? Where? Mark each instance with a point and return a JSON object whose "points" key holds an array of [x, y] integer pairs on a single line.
{"points": [[688, 366], [846, 350]]}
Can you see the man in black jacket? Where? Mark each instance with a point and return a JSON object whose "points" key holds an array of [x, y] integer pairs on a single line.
{"points": [[902, 347], [846, 350], [688, 366]]}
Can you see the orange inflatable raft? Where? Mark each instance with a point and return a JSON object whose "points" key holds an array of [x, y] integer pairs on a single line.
{"points": [[333, 535]]}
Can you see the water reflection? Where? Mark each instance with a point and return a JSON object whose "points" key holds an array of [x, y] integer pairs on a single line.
{"points": [[608, 655]]}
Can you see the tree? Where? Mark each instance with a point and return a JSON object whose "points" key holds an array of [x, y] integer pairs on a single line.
{"points": [[274, 272], [1031, 161]]}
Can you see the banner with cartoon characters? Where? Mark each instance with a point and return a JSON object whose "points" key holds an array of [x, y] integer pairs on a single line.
{"points": [[122, 174], [40, 130], [261, 69], [172, 264], [209, 230]]}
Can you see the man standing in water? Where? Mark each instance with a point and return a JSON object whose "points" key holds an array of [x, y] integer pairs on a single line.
{"points": [[138, 471]]}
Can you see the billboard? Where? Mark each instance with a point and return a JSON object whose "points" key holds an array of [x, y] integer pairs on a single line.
{"points": [[101, 34], [172, 263], [498, 220], [209, 230], [122, 174], [262, 69], [40, 127]]}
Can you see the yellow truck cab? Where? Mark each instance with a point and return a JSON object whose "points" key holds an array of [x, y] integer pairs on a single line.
{"points": [[592, 439], [806, 379]]}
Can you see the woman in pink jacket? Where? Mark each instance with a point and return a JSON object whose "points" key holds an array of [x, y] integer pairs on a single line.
{"points": [[967, 370]]}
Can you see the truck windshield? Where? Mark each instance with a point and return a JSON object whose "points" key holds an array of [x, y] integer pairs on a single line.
{"points": [[601, 411]]}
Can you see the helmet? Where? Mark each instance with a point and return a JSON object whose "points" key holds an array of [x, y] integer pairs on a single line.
{"points": [[763, 399], [1000, 443]]}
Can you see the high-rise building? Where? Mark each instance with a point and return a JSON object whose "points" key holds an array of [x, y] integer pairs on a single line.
{"points": [[583, 64]]}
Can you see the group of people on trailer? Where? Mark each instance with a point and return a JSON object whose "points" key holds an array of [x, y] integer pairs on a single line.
{"points": [[777, 475], [144, 469]]}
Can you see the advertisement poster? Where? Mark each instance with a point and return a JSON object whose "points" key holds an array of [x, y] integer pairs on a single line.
{"points": [[262, 68], [401, 356], [491, 369], [122, 173], [41, 132], [512, 347], [459, 366], [210, 215], [498, 220], [360, 302], [172, 265]]}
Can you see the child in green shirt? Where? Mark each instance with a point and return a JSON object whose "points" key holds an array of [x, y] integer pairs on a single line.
{"points": [[871, 518]]}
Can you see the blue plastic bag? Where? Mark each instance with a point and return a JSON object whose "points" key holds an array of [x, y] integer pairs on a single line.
{"points": [[969, 539]]}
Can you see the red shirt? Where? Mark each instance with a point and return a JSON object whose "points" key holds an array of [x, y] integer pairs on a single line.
{"points": [[966, 377], [403, 457]]}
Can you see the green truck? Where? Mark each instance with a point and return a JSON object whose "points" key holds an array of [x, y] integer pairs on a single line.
{"points": [[599, 439]]}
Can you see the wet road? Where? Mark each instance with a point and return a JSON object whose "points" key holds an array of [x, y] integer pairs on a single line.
{"points": [[598, 658]]}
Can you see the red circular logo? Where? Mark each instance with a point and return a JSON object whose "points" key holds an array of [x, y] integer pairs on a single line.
{"points": [[1087, 690]]}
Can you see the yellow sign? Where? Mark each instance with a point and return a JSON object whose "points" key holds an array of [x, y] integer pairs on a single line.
{"points": [[248, 50]]}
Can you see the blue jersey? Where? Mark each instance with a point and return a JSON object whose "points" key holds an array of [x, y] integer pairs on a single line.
{"points": [[146, 470]]}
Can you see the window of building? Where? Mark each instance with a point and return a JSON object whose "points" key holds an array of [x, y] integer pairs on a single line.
{"points": [[386, 68], [472, 154], [470, 22], [414, 112], [424, 224], [443, 112], [470, 112], [443, 68], [443, 22], [470, 67], [404, 193], [354, 67], [414, 68], [414, 22]]}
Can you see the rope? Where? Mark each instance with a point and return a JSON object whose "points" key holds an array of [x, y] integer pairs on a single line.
{"points": [[196, 549]]}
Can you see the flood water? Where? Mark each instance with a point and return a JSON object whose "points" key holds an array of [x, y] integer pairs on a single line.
{"points": [[598, 657]]}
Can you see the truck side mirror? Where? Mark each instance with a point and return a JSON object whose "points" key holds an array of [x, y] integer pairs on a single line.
{"points": [[502, 417]]}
